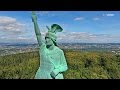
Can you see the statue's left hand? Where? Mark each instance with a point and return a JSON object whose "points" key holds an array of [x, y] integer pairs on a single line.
{"points": [[54, 73]]}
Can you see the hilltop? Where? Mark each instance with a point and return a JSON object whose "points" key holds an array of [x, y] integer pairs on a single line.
{"points": [[82, 65]]}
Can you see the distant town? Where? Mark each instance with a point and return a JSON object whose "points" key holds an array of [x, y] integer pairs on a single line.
{"points": [[7, 49]]}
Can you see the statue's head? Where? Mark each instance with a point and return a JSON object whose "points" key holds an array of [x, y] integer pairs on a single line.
{"points": [[51, 34], [49, 41]]}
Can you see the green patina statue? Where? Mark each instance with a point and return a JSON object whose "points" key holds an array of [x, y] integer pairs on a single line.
{"points": [[52, 59]]}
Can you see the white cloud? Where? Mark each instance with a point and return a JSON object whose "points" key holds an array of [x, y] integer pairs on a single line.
{"points": [[11, 30], [74, 36], [43, 12], [22, 38], [10, 25], [64, 25], [3, 37], [6, 20], [17, 39], [109, 14], [95, 19], [78, 18], [85, 37]]}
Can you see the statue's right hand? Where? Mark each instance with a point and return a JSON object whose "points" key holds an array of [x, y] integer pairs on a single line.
{"points": [[34, 18]]}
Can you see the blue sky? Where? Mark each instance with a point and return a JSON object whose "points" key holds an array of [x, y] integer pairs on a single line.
{"points": [[79, 26]]}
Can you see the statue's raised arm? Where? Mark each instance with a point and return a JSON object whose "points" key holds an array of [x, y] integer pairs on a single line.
{"points": [[36, 28]]}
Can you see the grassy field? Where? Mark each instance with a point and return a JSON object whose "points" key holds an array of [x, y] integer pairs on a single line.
{"points": [[82, 65]]}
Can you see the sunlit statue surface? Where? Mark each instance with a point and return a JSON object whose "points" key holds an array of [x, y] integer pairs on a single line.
{"points": [[52, 59]]}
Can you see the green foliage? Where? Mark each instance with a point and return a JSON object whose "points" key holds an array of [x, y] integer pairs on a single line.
{"points": [[19, 66], [92, 65], [81, 65]]}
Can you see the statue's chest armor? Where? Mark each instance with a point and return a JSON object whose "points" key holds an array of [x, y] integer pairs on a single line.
{"points": [[54, 58]]}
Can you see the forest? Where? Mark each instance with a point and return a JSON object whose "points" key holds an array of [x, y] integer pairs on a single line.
{"points": [[81, 65]]}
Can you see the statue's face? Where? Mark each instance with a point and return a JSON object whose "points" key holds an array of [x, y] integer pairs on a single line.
{"points": [[49, 41]]}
